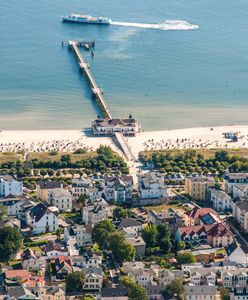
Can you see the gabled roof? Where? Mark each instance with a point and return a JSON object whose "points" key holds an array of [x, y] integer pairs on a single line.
{"points": [[234, 246], [197, 212], [128, 222], [27, 254], [38, 211], [114, 292], [49, 184]]}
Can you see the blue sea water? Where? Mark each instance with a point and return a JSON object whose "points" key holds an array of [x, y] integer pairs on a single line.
{"points": [[166, 79]]}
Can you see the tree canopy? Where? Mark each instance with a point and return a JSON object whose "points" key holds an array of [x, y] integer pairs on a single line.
{"points": [[75, 281], [185, 258], [10, 243], [119, 213], [135, 291], [175, 287], [121, 249], [101, 232]]}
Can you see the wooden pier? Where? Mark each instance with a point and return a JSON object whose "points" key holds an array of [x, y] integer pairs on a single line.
{"points": [[98, 95], [96, 91]]}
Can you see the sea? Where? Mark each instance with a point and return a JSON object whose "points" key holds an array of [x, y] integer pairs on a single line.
{"points": [[170, 63]]}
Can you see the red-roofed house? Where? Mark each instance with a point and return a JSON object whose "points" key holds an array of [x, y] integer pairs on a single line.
{"points": [[200, 216], [216, 235]]}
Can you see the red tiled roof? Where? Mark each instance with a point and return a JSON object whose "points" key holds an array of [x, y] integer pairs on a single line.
{"points": [[197, 212], [16, 273]]}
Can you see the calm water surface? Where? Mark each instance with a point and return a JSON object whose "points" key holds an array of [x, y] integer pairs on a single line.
{"points": [[166, 79]]}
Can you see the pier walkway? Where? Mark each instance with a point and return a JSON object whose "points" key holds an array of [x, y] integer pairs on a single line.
{"points": [[98, 94]]}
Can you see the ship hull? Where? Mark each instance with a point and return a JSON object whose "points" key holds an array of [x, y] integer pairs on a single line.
{"points": [[85, 22]]}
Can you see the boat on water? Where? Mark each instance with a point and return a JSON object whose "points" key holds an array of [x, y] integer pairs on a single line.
{"points": [[86, 19]]}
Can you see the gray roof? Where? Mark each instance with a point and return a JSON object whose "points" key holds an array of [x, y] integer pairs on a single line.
{"points": [[200, 290], [49, 184], [18, 291], [59, 192], [128, 222], [243, 206], [220, 194], [114, 292], [7, 178]]}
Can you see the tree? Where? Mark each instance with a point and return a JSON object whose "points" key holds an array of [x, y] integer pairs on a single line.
{"points": [[82, 199], [75, 281], [121, 249], [43, 172], [150, 234], [179, 245], [175, 288], [119, 213], [165, 245], [50, 172], [223, 293], [185, 258], [3, 212], [101, 232], [135, 291], [10, 242], [163, 231]]}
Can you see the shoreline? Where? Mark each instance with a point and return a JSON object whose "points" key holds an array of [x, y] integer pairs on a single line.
{"points": [[69, 140]]}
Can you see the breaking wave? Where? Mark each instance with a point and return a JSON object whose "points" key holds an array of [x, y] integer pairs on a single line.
{"points": [[167, 25]]}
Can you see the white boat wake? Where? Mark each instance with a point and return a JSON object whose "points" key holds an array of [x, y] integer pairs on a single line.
{"points": [[167, 25]]}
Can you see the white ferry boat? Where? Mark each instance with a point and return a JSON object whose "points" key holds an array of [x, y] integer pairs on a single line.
{"points": [[86, 19]]}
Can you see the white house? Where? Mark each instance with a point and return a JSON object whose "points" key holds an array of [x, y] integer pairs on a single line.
{"points": [[42, 188], [81, 233], [42, 219], [80, 187], [238, 254], [195, 292], [240, 191], [61, 198], [90, 259], [221, 201], [234, 278], [96, 212], [232, 179], [151, 185], [93, 278], [118, 189], [53, 249], [9, 186], [203, 277], [30, 261]]}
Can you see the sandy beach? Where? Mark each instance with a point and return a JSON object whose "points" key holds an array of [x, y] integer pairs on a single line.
{"points": [[70, 140]]}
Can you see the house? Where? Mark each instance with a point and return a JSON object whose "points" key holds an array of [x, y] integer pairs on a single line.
{"points": [[81, 233], [118, 293], [151, 186], [240, 191], [238, 253], [221, 201], [197, 187], [61, 198], [232, 179], [203, 277], [30, 261], [20, 292], [234, 278], [216, 235], [55, 249], [205, 254], [90, 259], [165, 276], [60, 267], [10, 186], [42, 188], [131, 224], [171, 217], [107, 126], [12, 277], [139, 245], [199, 216], [80, 187], [15, 205], [50, 293], [93, 278], [195, 292], [239, 293], [42, 219], [34, 281], [96, 212], [241, 214], [118, 189], [94, 193]]}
